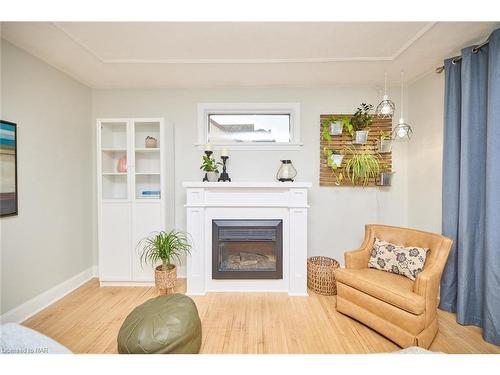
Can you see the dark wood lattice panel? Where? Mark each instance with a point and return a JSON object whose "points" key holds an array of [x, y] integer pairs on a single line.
{"points": [[338, 142]]}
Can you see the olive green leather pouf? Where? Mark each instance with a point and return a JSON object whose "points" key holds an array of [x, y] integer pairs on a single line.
{"points": [[165, 324]]}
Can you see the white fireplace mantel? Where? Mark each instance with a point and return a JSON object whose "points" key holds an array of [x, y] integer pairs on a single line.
{"points": [[208, 201]]}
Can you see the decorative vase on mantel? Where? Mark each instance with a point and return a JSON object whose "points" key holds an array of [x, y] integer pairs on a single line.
{"points": [[286, 172]]}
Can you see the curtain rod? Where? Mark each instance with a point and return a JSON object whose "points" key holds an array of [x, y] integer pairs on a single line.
{"points": [[458, 58]]}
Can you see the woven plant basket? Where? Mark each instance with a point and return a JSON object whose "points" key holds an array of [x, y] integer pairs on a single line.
{"points": [[321, 275], [165, 280]]}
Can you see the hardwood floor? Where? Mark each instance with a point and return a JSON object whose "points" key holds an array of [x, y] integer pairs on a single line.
{"points": [[88, 320]]}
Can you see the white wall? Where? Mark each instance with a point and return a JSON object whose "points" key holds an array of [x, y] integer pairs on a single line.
{"points": [[52, 239], [337, 215], [425, 152]]}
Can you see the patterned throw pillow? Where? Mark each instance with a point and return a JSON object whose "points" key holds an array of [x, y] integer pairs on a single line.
{"points": [[406, 261]]}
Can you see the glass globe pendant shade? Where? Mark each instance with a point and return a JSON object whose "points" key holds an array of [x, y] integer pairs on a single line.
{"points": [[386, 108], [402, 131]]}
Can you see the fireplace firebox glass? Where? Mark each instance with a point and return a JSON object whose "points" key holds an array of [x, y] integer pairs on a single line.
{"points": [[247, 249]]}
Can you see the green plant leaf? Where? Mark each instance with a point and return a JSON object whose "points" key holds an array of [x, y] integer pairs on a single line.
{"points": [[164, 246], [362, 166]]}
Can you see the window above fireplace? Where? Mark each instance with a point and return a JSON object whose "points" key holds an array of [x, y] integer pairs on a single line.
{"points": [[249, 126]]}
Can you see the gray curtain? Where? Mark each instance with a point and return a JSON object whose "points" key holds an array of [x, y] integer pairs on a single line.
{"points": [[471, 188]]}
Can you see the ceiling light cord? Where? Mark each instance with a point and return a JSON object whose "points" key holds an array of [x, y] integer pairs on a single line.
{"points": [[385, 83], [402, 94]]}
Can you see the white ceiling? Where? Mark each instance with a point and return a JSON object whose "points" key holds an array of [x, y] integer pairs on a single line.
{"points": [[168, 54]]}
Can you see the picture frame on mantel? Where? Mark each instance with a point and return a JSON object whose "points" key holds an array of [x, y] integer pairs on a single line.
{"points": [[8, 168]]}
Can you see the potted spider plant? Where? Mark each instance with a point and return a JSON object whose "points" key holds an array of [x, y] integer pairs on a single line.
{"points": [[360, 121], [211, 168], [165, 247], [385, 142], [361, 167]]}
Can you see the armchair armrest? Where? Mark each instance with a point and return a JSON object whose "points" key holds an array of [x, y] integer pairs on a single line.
{"points": [[357, 259], [427, 286], [426, 282]]}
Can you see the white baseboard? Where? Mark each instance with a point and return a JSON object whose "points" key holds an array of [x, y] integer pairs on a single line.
{"points": [[127, 283], [114, 283], [31, 307]]}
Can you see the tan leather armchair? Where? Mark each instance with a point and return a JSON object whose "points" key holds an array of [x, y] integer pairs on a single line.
{"points": [[403, 310]]}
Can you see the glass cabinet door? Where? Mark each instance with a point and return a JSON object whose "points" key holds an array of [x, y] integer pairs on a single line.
{"points": [[114, 163], [147, 150]]}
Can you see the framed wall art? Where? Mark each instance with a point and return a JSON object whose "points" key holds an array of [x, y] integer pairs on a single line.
{"points": [[8, 169]]}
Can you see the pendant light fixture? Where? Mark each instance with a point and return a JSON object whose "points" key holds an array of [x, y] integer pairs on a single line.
{"points": [[386, 107], [402, 131]]}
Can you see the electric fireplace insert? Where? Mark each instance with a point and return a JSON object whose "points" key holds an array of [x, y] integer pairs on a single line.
{"points": [[247, 249]]}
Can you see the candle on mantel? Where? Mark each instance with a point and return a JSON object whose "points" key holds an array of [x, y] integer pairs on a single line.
{"points": [[208, 147], [224, 152]]}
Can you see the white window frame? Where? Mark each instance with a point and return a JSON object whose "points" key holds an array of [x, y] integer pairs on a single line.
{"points": [[292, 109]]}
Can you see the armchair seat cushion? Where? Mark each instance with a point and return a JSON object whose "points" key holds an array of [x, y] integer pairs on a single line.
{"points": [[391, 288]]}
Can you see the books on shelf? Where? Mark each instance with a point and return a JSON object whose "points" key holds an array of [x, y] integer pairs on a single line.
{"points": [[150, 193]]}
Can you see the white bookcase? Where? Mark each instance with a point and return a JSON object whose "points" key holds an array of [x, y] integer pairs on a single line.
{"points": [[131, 202]]}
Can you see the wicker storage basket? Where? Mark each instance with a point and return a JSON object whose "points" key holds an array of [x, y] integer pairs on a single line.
{"points": [[321, 275], [165, 280]]}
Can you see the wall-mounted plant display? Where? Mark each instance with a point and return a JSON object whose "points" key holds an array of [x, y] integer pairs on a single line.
{"points": [[385, 142], [360, 121], [337, 151], [361, 167]]}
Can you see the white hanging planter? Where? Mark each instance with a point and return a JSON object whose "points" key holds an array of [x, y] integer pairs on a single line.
{"points": [[337, 159], [384, 146], [360, 137], [336, 127], [385, 178]]}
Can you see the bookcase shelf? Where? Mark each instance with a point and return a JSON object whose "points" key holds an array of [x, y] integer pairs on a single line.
{"points": [[156, 149]]}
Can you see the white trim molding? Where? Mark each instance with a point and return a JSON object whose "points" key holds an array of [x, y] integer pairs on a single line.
{"points": [[293, 109], [300, 60], [36, 304]]}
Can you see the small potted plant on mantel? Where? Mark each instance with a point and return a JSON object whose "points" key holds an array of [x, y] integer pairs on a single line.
{"points": [[360, 121], [385, 142], [211, 168], [164, 247]]}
